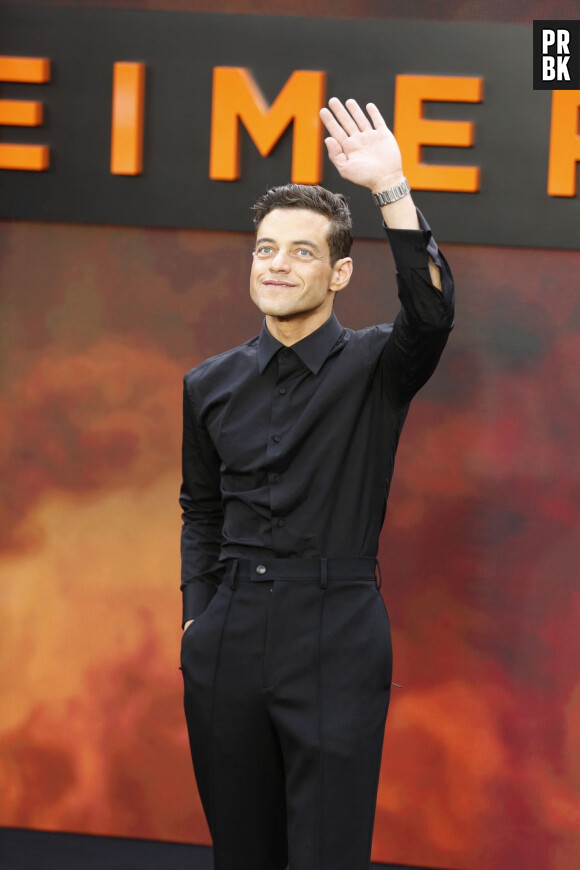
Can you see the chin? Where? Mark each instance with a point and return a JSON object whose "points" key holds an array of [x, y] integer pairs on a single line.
{"points": [[281, 313], [273, 309]]}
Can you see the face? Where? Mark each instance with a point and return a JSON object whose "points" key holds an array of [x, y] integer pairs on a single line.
{"points": [[292, 278]]}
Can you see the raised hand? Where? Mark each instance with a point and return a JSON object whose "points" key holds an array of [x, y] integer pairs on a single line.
{"points": [[364, 151]]}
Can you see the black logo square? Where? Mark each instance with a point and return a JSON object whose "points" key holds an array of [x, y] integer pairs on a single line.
{"points": [[556, 55]]}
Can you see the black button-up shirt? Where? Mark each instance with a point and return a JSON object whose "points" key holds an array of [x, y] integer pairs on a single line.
{"points": [[289, 451]]}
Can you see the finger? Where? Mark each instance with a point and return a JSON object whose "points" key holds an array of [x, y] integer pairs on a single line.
{"points": [[332, 125], [375, 116], [343, 116], [359, 116]]}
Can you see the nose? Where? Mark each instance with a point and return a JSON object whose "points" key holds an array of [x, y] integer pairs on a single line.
{"points": [[280, 262]]}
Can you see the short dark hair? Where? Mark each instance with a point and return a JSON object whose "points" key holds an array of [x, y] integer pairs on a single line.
{"points": [[315, 198]]}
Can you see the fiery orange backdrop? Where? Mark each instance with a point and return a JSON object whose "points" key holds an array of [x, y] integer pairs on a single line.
{"points": [[480, 554]]}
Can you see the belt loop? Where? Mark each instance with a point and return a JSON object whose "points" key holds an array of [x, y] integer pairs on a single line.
{"points": [[233, 572], [380, 580], [323, 574]]}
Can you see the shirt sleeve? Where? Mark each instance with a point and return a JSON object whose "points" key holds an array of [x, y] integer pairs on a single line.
{"points": [[425, 319], [201, 503]]}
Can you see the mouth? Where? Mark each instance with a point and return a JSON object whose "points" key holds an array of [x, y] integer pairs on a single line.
{"points": [[273, 283]]}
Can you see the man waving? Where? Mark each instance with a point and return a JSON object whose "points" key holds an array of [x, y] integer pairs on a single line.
{"points": [[288, 452]]}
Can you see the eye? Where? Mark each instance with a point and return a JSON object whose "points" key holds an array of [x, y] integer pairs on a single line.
{"points": [[264, 251], [304, 253]]}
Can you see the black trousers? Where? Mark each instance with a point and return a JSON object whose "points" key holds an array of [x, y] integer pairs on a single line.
{"points": [[287, 678]]}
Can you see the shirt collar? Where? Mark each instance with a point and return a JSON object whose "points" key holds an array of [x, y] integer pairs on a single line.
{"points": [[312, 350]]}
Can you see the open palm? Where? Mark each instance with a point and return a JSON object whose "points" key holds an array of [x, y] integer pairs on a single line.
{"points": [[362, 148]]}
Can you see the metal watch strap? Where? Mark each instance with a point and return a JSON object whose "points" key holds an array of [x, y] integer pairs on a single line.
{"points": [[392, 194]]}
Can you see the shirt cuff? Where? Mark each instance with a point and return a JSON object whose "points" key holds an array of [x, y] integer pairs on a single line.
{"points": [[413, 248]]}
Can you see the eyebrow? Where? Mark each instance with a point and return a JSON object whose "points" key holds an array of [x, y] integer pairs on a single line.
{"points": [[295, 242]]}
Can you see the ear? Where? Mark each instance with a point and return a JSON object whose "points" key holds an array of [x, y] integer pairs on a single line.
{"points": [[341, 272]]}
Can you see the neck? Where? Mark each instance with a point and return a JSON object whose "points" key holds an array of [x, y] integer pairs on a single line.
{"points": [[292, 329]]}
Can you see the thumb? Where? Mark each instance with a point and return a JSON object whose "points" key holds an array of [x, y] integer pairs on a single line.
{"points": [[335, 152]]}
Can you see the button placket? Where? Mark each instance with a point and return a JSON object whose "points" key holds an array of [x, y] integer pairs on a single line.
{"points": [[286, 361]]}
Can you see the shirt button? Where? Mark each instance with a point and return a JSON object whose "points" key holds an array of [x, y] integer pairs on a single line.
{"points": [[261, 569], [277, 438], [276, 478], [282, 391], [281, 523]]}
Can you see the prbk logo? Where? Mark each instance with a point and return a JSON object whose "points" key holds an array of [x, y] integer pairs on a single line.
{"points": [[556, 55]]}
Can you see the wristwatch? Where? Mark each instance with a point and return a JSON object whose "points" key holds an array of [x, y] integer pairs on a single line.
{"points": [[392, 194]]}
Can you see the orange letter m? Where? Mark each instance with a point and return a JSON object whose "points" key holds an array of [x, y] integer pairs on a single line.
{"points": [[237, 97]]}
